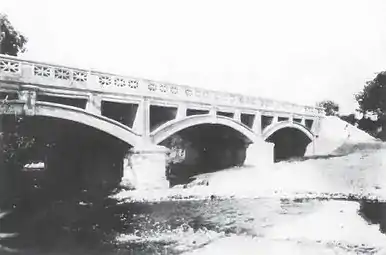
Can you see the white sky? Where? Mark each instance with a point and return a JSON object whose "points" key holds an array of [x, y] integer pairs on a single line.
{"points": [[299, 50]]}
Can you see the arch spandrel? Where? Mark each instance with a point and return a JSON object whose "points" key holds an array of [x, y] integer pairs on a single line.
{"points": [[172, 127], [78, 115], [270, 130]]}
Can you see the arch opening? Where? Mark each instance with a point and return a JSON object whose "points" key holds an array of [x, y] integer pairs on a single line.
{"points": [[203, 148], [289, 143], [75, 157]]}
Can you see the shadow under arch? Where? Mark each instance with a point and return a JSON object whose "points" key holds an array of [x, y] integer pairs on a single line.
{"points": [[290, 139], [202, 144], [75, 150]]}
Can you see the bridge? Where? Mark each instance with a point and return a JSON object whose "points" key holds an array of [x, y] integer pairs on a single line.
{"points": [[160, 127]]}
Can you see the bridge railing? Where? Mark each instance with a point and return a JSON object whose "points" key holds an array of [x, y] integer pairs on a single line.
{"points": [[16, 70]]}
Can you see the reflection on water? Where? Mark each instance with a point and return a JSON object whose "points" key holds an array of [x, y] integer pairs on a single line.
{"points": [[75, 225], [92, 223], [89, 223], [375, 213]]}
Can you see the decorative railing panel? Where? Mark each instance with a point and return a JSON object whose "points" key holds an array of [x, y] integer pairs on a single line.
{"points": [[53, 76]]}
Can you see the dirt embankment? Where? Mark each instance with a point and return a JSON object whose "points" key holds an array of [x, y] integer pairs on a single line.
{"points": [[337, 137]]}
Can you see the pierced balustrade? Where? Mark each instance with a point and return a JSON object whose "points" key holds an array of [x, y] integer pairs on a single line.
{"points": [[62, 77]]}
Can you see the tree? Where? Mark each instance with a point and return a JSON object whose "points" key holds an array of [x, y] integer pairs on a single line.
{"points": [[349, 118], [12, 41], [368, 125], [330, 107], [14, 146], [372, 99]]}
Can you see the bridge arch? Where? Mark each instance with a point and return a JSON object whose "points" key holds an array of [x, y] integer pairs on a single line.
{"points": [[290, 139], [270, 130], [203, 143], [172, 127], [54, 110]]}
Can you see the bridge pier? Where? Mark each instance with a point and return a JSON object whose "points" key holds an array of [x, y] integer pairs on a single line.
{"points": [[260, 154], [145, 168]]}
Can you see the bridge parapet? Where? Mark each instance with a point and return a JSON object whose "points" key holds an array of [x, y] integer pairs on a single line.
{"points": [[17, 71]]}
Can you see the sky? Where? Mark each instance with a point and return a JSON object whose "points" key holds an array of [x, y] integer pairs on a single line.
{"points": [[302, 51]]}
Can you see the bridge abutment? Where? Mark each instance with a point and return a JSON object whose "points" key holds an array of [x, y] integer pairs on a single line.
{"points": [[145, 168]]}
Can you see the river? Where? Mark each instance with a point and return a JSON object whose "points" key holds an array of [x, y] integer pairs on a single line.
{"points": [[319, 206]]}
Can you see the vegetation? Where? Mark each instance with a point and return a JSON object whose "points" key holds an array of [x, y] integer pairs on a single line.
{"points": [[330, 107], [12, 42], [350, 118], [372, 100], [14, 147]]}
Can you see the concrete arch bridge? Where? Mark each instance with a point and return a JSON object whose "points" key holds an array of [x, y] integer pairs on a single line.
{"points": [[145, 126]]}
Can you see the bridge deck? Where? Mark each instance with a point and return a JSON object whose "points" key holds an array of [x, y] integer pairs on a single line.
{"points": [[74, 82]]}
